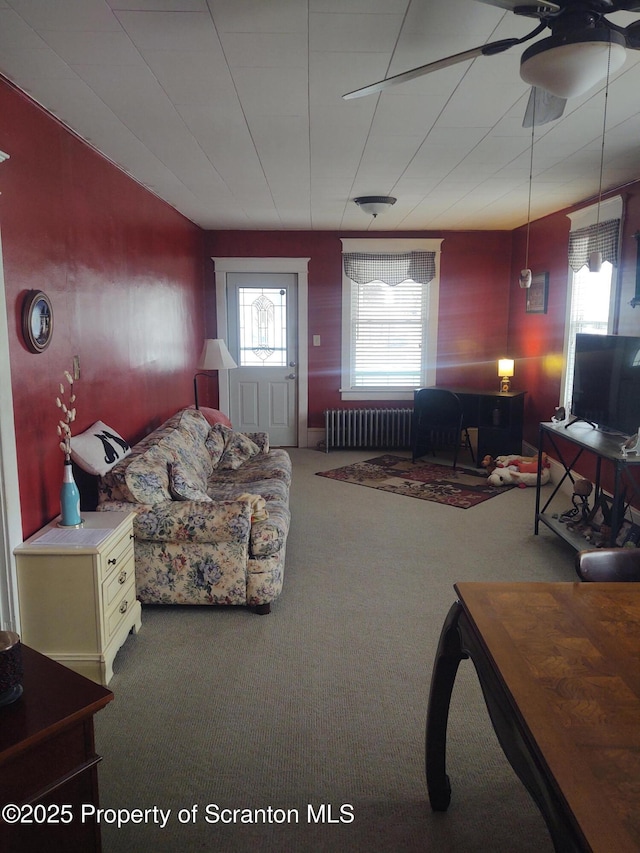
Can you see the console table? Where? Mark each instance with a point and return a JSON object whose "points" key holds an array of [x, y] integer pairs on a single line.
{"points": [[48, 758], [498, 416], [582, 437], [559, 665]]}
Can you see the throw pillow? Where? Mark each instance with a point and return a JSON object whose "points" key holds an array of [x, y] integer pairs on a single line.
{"points": [[214, 416], [98, 449], [182, 484], [238, 448], [215, 444]]}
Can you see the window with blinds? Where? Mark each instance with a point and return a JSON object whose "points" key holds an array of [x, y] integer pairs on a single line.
{"points": [[590, 301], [590, 295], [387, 334], [390, 296]]}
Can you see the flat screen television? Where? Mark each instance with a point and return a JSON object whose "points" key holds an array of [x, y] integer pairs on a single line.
{"points": [[606, 382]]}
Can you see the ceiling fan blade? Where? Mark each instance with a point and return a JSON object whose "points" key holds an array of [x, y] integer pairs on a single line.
{"points": [[511, 5], [632, 35], [542, 107], [454, 59]]}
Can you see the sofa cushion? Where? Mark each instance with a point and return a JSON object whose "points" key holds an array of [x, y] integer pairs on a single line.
{"points": [[238, 448], [184, 484], [146, 479], [215, 445]]}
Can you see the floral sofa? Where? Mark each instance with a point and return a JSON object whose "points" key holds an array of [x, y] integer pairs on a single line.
{"points": [[212, 513]]}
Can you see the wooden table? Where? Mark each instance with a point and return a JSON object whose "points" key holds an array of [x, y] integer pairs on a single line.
{"points": [[48, 758], [559, 665]]}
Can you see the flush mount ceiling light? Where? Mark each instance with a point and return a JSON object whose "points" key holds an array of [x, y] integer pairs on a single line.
{"points": [[568, 64], [374, 204]]}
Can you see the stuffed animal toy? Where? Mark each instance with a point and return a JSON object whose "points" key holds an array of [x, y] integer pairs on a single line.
{"points": [[489, 463], [521, 471]]}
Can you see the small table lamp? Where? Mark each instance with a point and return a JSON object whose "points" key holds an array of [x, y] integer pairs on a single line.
{"points": [[505, 371], [214, 356]]}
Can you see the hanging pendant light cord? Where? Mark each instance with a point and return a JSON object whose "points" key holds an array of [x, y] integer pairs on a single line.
{"points": [[533, 127], [604, 127]]}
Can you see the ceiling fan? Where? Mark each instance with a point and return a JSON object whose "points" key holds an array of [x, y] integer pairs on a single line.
{"points": [[582, 49]]}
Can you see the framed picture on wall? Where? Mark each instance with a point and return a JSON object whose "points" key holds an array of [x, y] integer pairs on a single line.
{"points": [[37, 320], [538, 294]]}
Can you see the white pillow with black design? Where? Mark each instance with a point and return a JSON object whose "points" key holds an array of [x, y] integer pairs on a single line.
{"points": [[98, 449]]}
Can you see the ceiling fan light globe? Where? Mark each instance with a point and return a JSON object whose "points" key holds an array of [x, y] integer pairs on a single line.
{"points": [[570, 67]]}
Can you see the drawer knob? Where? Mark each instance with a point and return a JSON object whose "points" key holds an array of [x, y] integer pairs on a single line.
{"points": [[122, 577], [111, 561], [123, 606]]}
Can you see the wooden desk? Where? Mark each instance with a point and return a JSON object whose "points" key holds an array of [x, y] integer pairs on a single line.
{"points": [[559, 665], [48, 758], [498, 416]]}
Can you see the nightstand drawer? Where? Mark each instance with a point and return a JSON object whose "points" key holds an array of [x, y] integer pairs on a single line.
{"points": [[121, 577], [115, 558], [118, 610]]}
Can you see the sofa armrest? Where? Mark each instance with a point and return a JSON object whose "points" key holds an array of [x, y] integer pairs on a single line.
{"points": [[195, 521]]}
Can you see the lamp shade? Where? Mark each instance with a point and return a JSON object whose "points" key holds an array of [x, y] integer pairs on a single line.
{"points": [[215, 356], [505, 367], [570, 64]]}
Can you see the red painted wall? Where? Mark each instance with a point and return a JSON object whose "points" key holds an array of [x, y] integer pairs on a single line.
{"points": [[124, 272], [473, 314]]}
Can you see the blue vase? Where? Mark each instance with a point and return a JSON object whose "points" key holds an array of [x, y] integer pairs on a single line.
{"points": [[69, 499]]}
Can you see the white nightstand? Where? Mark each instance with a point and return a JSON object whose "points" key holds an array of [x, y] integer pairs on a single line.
{"points": [[77, 592]]}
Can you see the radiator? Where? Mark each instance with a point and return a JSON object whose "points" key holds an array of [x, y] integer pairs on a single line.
{"points": [[367, 428]]}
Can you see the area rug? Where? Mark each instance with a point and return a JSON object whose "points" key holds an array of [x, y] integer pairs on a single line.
{"points": [[460, 487]]}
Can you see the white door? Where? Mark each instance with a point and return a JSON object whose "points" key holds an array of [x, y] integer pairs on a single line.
{"points": [[263, 341]]}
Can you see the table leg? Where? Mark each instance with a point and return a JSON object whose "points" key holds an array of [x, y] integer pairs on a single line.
{"points": [[459, 641], [448, 657]]}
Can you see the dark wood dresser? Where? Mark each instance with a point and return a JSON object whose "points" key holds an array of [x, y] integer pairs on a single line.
{"points": [[48, 762]]}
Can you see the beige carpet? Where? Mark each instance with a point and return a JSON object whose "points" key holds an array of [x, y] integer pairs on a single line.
{"points": [[318, 709]]}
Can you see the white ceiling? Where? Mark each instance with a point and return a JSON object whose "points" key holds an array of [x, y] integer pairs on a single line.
{"points": [[231, 110]]}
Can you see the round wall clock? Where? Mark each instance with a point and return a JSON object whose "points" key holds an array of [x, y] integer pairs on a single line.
{"points": [[37, 320]]}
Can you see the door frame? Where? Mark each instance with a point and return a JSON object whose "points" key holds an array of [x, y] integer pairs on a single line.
{"points": [[10, 513], [299, 266]]}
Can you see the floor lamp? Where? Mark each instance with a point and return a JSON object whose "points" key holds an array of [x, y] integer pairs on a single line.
{"points": [[214, 356]]}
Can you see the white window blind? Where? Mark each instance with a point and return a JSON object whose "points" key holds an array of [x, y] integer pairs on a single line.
{"points": [[590, 301], [387, 330]]}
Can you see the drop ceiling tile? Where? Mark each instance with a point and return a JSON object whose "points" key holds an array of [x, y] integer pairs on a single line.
{"points": [[94, 48], [265, 50], [193, 77], [158, 5], [80, 16], [16, 35], [346, 32], [247, 16], [170, 30], [272, 91]]}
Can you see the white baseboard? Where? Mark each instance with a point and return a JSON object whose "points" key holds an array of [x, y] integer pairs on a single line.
{"points": [[315, 438]]}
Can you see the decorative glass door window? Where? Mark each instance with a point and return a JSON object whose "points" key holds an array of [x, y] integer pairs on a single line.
{"points": [[262, 315]]}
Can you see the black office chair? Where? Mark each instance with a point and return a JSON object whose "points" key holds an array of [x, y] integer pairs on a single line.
{"points": [[609, 564], [437, 422]]}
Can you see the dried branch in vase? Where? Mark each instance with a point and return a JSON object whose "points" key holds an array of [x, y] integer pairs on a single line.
{"points": [[68, 416]]}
